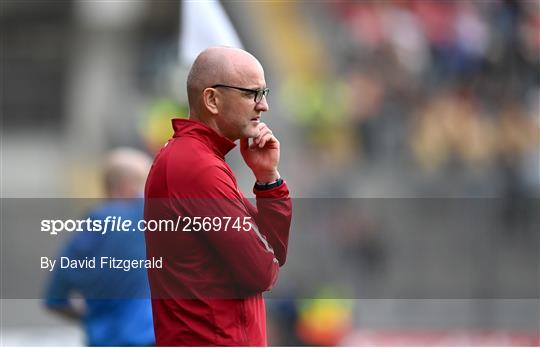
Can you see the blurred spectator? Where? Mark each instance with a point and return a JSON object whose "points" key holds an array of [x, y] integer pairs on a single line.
{"points": [[318, 321], [117, 309], [324, 320], [154, 125]]}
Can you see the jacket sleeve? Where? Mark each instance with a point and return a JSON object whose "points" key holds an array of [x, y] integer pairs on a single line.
{"points": [[251, 242], [273, 216]]}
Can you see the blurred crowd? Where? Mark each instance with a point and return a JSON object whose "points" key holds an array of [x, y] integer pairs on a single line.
{"points": [[432, 86]]}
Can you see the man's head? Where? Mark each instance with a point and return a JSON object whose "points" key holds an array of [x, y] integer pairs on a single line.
{"points": [[125, 171], [232, 112]]}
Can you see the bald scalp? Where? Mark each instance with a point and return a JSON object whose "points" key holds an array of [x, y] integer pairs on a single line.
{"points": [[212, 66], [125, 170]]}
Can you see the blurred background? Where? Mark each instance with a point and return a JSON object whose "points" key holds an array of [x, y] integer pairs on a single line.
{"points": [[399, 102]]}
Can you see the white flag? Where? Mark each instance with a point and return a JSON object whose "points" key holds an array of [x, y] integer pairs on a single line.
{"points": [[204, 23]]}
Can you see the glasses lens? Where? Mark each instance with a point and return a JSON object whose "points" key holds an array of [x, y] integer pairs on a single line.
{"points": [[260, 94]]}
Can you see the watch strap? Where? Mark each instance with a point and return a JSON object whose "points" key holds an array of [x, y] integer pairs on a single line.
{"points": [[268, 185]]}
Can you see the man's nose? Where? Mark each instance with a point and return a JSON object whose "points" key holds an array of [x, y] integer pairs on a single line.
{"points": [[262, 105]]}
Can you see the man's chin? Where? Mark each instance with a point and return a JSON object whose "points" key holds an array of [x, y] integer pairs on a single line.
{"points": [[251, 132]]}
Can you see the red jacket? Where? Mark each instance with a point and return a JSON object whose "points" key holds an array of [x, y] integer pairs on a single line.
{"points": [[209, 291]]}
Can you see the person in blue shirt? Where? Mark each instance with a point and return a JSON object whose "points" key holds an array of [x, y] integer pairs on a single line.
{"points": [[116, 309]]}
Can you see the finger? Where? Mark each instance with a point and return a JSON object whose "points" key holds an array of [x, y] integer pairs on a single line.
{"points": [[255, 144], [263, 128], [266, 139], [262, 125], [262, 134]]}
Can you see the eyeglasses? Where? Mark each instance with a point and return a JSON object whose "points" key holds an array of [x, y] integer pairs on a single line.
{"points": [[259, 93]]}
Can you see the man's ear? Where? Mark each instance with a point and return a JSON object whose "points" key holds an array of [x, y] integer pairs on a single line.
{"points": [[211, 100]]}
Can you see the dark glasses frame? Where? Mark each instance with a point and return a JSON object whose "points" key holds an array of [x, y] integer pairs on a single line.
{"points": [[258, 93]]}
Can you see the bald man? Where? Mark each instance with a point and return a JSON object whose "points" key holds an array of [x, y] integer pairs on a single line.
{"points": [[225, 252]]}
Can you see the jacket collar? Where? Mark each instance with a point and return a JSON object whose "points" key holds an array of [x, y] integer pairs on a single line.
{"points": [[190, 128]]}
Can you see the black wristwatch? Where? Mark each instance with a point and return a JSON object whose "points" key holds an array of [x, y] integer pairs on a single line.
{"points": [[268, 185]]}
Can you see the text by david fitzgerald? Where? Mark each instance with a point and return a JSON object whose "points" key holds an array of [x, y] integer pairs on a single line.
{"points": [[104, 262]]}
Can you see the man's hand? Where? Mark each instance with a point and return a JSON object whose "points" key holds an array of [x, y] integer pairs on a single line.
{"points": [[262, 156]]}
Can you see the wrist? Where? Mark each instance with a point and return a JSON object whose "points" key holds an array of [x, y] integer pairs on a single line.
{"points": [[269, 185], [269, 177]]}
